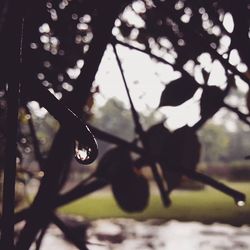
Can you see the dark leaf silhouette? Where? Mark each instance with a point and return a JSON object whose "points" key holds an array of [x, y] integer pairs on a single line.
{"points": [[173, 179], [182, 151], [175, 151], [130, 188], [188, 145], [178, 91], [116, 161], [211, 101], [131, 192], [158, 137]]}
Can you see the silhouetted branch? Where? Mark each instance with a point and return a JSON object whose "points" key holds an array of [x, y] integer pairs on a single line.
{"points": [[138, 127], [205, 43], [4, 6], [12, 40], [215, 16], [80, 191], [236, 195], [76, 127], [40, 237], [94, 185], [158, 58], [76, 193], [68, 233], [242, 116], [159, 181], [142, 136], [60, 153], [102, 135]]}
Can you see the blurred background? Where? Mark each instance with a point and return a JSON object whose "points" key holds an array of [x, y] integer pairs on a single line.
{"points": [[160, 61]]}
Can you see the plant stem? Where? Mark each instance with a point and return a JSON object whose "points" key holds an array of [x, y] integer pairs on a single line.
{"points": [[13, 46], [143, 137]]}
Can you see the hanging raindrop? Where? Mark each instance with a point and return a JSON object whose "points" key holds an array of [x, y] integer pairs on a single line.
{"points": [[240, 203], [82, 152]]}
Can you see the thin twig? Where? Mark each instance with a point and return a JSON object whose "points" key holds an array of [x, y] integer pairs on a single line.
{"points": [[142, 136], [80, 191], [102, 135], [205, 43], [236, 195], [40, 237], [158, 58], [242, 116], [135, 115], [13, 39]]}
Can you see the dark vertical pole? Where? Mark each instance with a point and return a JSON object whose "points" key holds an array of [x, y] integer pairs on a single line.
{"points": [[11, 52]]}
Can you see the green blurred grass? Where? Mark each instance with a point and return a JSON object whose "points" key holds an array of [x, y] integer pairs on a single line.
{"points": [[206, 206]]}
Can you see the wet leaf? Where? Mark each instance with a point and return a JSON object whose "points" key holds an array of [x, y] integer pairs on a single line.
{"points": [[189, 148], [129, 187], [115, 162], [157, 137], [131, 192], [182, 151], [183, 148], [211, 101], [178, 91]]}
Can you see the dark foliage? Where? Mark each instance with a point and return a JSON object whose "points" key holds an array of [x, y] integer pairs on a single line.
{"points": [[172, 96]]}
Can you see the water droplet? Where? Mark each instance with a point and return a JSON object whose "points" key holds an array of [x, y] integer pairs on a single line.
{"points": [[240, 203], [81, 152]]}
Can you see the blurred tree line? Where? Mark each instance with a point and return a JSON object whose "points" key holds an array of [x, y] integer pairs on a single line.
{"points": [[219, 144]]}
